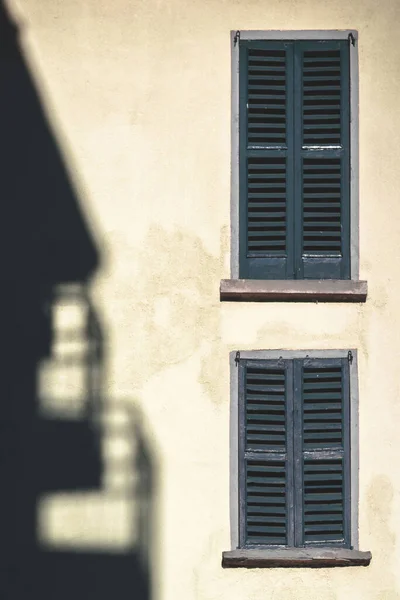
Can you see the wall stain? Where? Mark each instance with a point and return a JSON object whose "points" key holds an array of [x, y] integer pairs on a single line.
{"points": [[382, 581], [214, 362], [362, 331], [380, 297], [175, 302]]}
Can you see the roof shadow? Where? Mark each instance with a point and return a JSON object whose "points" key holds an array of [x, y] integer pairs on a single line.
{"points": [[52, 439]]}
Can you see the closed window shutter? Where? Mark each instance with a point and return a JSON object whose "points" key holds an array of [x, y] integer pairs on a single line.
{"points": [[294, 452], [266, 469], [323, 159], [323, 477], [294, 157], [266, 135]]}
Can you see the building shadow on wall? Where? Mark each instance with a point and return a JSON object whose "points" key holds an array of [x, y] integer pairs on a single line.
{"points": [[77, 475]]}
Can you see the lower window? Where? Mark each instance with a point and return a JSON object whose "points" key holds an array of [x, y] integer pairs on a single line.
{"points": [[294, 459], [294, 452]]}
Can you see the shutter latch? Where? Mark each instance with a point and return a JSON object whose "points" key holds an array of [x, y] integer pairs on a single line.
{"points": [[236, 38], [350, 356], [352, 39], [237, 358]]}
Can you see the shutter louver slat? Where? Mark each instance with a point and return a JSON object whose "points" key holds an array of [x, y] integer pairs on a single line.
{"points": [[323, 501], [322, 407], [266, 186], [266, 89], [322, 223], [265, 397], [266, 515]]}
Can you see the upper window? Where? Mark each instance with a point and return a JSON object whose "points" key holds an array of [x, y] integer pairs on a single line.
{"points": [[294, 118], [294, 156]]}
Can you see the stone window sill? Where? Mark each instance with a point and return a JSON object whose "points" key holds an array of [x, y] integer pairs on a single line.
{"points": [[304, 290], [296, 557]]}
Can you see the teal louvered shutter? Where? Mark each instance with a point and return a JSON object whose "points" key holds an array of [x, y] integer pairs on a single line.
{"points": [[322, 479], [294, 452], [266, 485], [265, 147], [294, 160], [322, 150]]}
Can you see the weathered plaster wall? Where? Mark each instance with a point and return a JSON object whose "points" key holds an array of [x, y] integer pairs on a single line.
{"points": [[138, 94]]}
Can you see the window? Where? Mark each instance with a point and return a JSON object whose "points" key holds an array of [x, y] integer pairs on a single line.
{"points": [[294, 212], [296, 462]]}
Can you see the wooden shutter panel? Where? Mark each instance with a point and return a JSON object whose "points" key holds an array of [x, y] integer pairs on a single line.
{"points": [[323, 159], [324, 477], [266, 481], [294, 157], [323, 501], [266, 512], [266, 133]]}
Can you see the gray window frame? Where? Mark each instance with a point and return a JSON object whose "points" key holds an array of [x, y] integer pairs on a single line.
{"points": [[234, 431], [354, 149]]}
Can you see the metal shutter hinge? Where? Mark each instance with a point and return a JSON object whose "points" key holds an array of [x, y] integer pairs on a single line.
{"points": [[352, 39], [350, 356], [236, 38], [237, 358]]}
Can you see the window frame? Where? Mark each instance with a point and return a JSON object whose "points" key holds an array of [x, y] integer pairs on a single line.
{"points": [[232, 292], [272, 355]]}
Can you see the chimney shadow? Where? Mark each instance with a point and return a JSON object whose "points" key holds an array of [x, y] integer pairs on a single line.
{"points": [[77, 474]]}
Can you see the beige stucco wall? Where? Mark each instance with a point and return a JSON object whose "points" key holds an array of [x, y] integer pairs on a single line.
{"points": [[138, 94]]}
